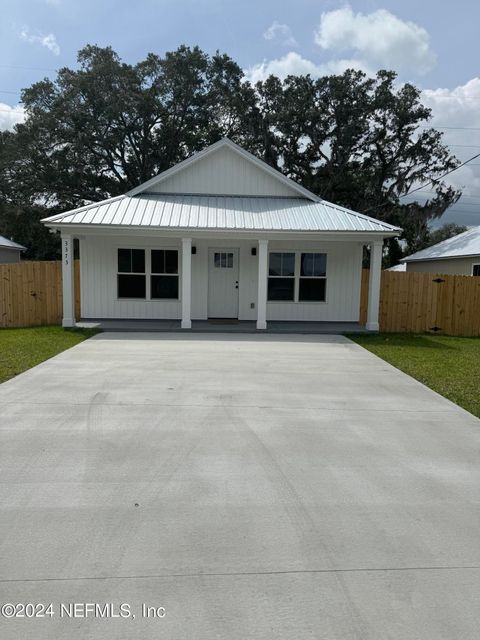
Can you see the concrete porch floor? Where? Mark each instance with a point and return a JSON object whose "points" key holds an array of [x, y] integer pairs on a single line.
{"points": [[226, 326]]}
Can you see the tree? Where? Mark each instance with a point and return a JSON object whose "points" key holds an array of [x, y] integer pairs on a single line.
{"points": [[107, 126], [360, 142], [448, 230]]}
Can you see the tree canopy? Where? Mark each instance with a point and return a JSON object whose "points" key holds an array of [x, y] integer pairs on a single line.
{"points": [[107, 126]]}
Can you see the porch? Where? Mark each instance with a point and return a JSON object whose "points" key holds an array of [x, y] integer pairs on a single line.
{"points": [[224, 326]]}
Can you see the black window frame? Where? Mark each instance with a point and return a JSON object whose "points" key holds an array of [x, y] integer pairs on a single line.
{"points": [[166, 274], [299, 290], [285, 277], [132, 273], [302, 278]]}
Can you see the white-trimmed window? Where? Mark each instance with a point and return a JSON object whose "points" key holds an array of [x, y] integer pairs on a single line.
{"points": [[131, 275], [281, 276], [297, 276], [313, 277], [164, 274], [133, 269], [476, 269]]}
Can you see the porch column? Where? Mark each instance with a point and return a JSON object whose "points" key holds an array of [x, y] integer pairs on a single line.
{"points": [[376, 251], [186, 283], [262, 284], [68, 284]]}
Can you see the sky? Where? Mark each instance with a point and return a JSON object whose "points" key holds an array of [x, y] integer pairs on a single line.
{"points": [[433, 44]]}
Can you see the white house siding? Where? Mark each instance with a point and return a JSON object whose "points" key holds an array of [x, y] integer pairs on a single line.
{"points": [[98, 256], [9, 255], [344, 268], [98, 278], [224, 172], [450, 266]]}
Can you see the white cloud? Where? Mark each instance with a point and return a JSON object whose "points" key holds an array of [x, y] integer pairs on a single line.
{"points": [[49, 41], [10, 116], [460, 107], [292, 63], [379, 38], [277, 31]]}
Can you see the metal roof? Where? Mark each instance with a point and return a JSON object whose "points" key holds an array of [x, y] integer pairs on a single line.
{"points": [[460, 246], [5, 243], [219, 213]]}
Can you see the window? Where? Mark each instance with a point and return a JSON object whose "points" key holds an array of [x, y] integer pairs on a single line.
{"points": [[131, 273], [475, 269], [223, 260], [164, 276], [313, 272], [281, 276], [297, 277]]}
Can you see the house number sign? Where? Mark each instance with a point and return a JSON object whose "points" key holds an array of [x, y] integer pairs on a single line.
{"points": [[66, 251]]}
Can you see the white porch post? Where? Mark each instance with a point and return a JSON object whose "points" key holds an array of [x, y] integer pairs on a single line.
{"points": [[68, 281], [376, 251], [186, 283], [262, 284]]}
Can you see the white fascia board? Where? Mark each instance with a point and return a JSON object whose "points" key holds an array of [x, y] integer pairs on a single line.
{"points": [[224, 142], [435, 258], [110, 230]]}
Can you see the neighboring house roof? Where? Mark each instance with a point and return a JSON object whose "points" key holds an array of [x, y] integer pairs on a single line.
{"points": [[220, 213], [173, 200], [5, 243], [461, 246], [398, 267]]}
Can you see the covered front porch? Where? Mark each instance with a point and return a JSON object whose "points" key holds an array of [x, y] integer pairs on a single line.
{"points": [[223, 326], [191, 310]]}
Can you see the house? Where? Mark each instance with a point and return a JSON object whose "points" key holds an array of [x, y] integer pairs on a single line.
{"points": [[397, 267], [220, 235], [10, 251], [459, 255]]}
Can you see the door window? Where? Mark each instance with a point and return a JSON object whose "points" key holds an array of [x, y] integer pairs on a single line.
{"points": [[223, 260]]}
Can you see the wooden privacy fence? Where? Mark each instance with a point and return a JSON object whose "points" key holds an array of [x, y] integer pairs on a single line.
{"points": [[426, 302], [31, 293]]}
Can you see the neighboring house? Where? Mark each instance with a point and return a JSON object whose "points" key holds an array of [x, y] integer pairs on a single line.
{"points": [[398, 267], [459, 255], [220, 235], [10, 251]]}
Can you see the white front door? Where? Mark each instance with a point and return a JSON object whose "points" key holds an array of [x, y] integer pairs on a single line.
{"points": [[222, 283]]}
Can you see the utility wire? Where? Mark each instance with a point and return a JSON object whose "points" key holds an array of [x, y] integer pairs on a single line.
{"points": [[426, 184]]}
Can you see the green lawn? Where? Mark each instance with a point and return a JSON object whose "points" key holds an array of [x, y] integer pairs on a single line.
{"points": [[21, 349], [450, 366]]}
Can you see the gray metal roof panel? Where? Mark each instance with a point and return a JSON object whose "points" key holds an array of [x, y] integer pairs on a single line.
{"points": [[220, 213], [462, 245]]}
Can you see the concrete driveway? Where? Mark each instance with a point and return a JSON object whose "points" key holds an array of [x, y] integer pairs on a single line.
{"points": [[283, 487]]}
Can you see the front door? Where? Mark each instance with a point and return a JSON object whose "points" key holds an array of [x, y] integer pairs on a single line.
{"points": [[222, 283]]}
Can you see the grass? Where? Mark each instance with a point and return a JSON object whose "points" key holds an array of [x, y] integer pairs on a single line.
{"points": [[448, 365], [21, 349]]}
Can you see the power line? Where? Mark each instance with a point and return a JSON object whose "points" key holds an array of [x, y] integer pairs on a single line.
{"points": [[435, 126], [443, 175], [10, 66], [426, 184]]}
